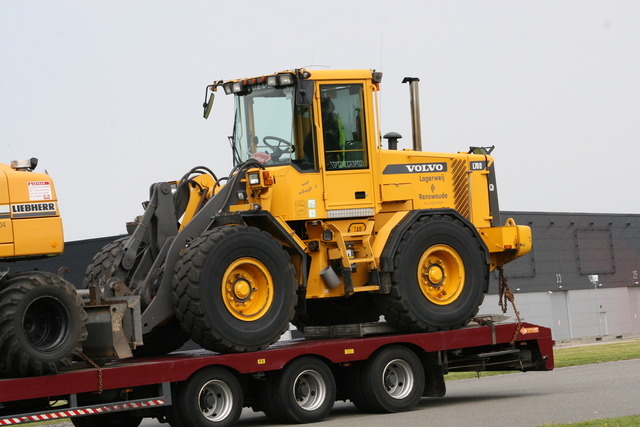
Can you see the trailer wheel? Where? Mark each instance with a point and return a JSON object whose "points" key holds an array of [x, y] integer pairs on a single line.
{"points": [[120, 419], [42, 324], [164, 338], [391, 380], [304, 391], [354, 387], [439, 277], [235, 289], [211, 397]]}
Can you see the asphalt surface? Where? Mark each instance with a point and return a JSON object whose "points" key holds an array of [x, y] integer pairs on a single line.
{"points": [[527, 399]]}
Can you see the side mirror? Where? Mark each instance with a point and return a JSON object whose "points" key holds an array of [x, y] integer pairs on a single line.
{"points": [[304, 94], [208, 104]]}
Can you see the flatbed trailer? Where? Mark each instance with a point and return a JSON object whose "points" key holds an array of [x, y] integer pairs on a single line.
{"points": [[293, 381]]}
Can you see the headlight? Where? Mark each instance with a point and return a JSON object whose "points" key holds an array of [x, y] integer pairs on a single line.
{"points": [[286, 79], [254, 178]]}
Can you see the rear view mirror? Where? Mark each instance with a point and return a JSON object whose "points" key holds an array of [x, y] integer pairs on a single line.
{"points": [[304, 94], [208, 104]]}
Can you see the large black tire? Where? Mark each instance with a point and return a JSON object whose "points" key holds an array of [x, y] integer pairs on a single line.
{"points": [[439, 277], [304, 391], [391, 380], [42, 324], [357, 308], [212, 397], [235, 289], [102, 262], [164, 338], [354, 387]]}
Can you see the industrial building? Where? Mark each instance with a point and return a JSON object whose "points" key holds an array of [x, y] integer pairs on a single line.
{"points": [[580, 279]]}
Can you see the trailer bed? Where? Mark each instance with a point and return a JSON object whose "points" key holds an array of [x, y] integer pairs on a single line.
{"points": [[473, 348]]}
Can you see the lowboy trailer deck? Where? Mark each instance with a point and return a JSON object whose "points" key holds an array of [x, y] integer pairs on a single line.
{"points": [[292, 381]]}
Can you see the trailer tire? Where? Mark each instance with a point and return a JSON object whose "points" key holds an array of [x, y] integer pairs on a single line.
{"points": [[391, 380], [304, 391], [438, 279], [165, 337], [42, 324], [354, 387], [235, 289], [210, 397]]}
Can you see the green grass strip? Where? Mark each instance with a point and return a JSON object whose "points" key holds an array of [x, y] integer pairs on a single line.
{"points": [[630, 421]]}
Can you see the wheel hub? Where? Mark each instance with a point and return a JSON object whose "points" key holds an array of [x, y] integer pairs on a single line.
{"points": [[390, 380], [398, 379], [247, 289], [241, 289], [216, 401], [441, 274], [46, 323], [435, 275], [302, 390], [207, 401], [310, 390]]}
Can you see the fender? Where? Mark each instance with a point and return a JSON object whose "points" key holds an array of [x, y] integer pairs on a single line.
{"points": [[398, 232]]}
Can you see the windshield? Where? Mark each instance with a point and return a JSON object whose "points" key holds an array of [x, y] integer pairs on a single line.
{"points": [[264, 125]]}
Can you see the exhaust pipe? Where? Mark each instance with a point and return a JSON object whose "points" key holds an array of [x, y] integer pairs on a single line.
{"points": [[415, 112]]}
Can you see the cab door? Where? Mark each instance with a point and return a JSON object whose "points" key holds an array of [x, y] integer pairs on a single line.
{"points": [[343, 150]]}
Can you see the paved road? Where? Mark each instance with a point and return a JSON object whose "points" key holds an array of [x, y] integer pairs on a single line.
{"points": [[516, 400]]}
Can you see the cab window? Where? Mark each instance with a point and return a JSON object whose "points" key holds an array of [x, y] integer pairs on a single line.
{"points": [[342, 126]]}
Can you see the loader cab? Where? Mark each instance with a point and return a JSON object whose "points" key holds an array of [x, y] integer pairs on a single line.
{"points": [[321, 124], [322, 129]]}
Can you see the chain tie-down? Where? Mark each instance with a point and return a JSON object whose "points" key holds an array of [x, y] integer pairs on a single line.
{"points": [[95, 365], [504, 295]]}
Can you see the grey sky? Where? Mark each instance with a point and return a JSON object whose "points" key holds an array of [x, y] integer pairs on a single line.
{"points": [[108, 94]]}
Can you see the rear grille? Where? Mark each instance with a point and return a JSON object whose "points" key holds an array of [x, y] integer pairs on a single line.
{"points": [[461, 187]]}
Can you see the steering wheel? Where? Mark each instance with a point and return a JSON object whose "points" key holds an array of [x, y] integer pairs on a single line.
{"points": [[277, 150]]}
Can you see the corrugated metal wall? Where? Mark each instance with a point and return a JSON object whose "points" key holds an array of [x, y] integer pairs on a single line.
{"points": [[568, 247], [551, 284]]}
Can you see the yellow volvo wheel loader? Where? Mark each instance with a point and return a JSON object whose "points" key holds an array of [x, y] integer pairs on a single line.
{"points": [[322, 221]]}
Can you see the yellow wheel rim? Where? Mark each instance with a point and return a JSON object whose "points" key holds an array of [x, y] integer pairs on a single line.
{"points": [[441, 274], [247, 289]]}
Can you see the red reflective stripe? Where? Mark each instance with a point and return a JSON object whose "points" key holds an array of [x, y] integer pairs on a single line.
{"points": [[75, 412]]}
